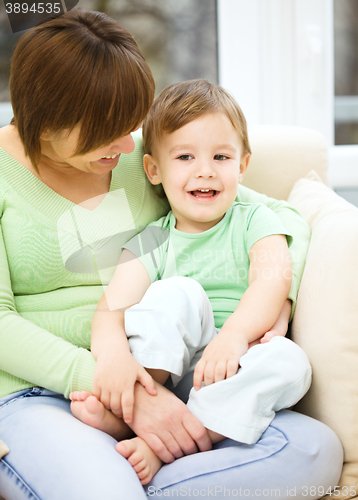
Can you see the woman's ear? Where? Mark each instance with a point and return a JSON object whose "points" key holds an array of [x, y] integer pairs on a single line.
{"points": [[151, 169], [49, 135], [244, 163], [46, 135]]}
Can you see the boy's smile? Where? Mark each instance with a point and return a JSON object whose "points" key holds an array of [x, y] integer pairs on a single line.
{"points": [[199, 166], [205, 195]]}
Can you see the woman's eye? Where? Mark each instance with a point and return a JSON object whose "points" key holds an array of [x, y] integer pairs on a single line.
{"points": [[185, 157], [220, 157]]}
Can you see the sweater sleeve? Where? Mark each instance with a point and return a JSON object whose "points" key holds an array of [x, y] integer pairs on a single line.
{"points": [[33, 354], [294, 224]]}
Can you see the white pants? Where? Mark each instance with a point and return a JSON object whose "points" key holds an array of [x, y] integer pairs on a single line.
{"points": [[169, 330]]}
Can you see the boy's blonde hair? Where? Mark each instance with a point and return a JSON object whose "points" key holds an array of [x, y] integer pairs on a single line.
{"points": [[183, 102]]}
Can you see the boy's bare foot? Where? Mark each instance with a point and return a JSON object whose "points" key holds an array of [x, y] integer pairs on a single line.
{"points": [[90, 411], [141, 457]]}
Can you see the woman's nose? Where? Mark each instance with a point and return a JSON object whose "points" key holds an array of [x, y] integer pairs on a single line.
{"points": [[124, 144]]}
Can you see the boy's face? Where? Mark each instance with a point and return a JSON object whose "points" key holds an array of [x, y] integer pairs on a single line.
{"points": [[199, 166]]}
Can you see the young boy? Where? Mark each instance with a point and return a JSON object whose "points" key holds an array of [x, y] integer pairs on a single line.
{"points": [[197, 288]]}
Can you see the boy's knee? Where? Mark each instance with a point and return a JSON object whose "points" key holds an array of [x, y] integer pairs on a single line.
{"points": [[288, 349], [180, 286], [184, 283], [292, 359]]}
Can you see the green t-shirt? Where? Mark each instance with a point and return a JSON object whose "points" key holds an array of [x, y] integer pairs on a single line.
{"points": [[54, 261], [217, 258]]}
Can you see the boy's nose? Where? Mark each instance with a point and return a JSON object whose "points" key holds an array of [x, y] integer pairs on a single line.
{"points": [[205, 169]]}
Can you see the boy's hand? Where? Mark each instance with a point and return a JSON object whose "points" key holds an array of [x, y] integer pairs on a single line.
{"points": [[114, 380], [221, 358]]}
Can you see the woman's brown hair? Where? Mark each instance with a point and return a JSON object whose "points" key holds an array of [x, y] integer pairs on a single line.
{"points": [[80, 68]]}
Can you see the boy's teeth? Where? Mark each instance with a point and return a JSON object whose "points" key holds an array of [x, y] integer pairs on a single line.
{"points": [[204, 193], [108, 157]]}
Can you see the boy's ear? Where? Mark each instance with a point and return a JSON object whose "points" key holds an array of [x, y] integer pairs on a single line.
{"points": [[244, 163], [151, 169]]}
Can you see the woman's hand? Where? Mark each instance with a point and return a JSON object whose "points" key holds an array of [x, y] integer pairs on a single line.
{"points": [[166, 424]]}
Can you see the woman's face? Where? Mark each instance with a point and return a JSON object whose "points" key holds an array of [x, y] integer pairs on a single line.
{"points": [[58, 151]]}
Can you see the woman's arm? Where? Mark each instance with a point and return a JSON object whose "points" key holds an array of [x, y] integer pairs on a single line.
{"points": [[296, 226], [33, 354]]}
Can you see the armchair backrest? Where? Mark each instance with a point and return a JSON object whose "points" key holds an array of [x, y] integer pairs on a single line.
{"points": [[281, 156]]}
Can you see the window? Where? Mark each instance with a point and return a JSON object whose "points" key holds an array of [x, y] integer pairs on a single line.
{"points": [[177, 37], [7, 42], [346, 71], [277, 58]]}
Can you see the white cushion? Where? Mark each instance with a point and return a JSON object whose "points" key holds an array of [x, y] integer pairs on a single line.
{"points": [[325, 324]]}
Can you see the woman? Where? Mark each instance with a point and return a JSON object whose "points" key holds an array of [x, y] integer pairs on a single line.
{"points": [[68, 199]]}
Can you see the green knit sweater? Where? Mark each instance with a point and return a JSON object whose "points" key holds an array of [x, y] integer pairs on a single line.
{"points": [[56, 259]]}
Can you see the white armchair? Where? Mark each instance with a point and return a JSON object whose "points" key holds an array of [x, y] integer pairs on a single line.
{"points": [[281, 156], [326, 319], [325, 324]]}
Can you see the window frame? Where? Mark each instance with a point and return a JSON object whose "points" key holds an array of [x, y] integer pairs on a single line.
{"points": [[277, 58], [6, 113]]}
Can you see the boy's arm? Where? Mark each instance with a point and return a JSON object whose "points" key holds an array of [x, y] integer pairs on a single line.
{"points": [[258, 310], [281, 326], [295, 225], [117, 371], [270, 277], [126, 288]]}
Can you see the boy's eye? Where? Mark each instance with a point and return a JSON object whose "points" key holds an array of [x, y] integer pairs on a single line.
{"points": [[185, 157], [220, 157]]}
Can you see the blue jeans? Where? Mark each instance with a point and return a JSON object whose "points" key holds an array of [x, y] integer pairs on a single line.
{"points": [[53, 456]]}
